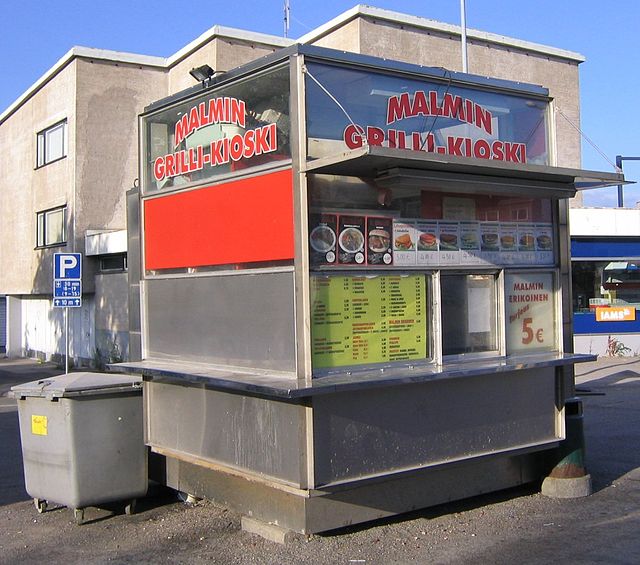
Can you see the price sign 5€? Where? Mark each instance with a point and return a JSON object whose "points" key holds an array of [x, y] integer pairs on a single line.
{"points": [[531, 334], [530, 311]]}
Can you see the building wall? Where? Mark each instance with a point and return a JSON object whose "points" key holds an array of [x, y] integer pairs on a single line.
{"points": [[221, 54], [347, 37], [43, 331], [605, 222], [109, 98], [112, 317], [25, 190]]}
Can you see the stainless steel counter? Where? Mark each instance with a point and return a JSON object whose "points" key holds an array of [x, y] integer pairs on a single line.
{"points": [[277, 386]]}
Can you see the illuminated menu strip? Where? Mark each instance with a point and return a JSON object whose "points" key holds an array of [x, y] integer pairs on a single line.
{"points": [[362, 320]]}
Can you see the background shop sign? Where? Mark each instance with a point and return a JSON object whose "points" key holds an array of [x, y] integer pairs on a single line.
{"points": [[616, 314]]}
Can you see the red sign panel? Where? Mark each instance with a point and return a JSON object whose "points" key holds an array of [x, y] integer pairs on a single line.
{"points": [[244, 221]]}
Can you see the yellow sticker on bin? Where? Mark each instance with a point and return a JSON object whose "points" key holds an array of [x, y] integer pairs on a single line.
{"points": [[38, 425]]}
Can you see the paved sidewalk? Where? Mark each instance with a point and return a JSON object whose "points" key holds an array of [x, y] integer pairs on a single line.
{"points": [[16, 371], [605, 367]]}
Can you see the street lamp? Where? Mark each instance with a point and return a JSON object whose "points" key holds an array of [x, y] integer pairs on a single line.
{"points": [[619, 159]]}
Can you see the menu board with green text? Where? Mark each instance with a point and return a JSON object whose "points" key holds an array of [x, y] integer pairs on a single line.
{"points": [[358, 320]]}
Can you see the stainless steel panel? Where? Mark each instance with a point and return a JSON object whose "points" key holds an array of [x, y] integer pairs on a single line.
{"points": [[133, 273], [301, 217], [369, 433], [428, 487], [133, 234], [135, 322], [252, 434], [236, 320]]}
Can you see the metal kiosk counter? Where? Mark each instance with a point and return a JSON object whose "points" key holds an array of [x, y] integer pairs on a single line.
{"points": [[353, 279]]}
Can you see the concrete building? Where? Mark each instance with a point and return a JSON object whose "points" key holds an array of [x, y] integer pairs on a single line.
{"points": [[69, 153]]}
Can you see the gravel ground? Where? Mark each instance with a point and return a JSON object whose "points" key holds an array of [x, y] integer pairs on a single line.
{"points": [[521, 526], [518, 525]]}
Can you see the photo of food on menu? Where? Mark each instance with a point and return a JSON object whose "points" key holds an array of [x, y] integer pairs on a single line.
{"points": [[351, 240], [322, 238], [379, 231], [460, 230]]}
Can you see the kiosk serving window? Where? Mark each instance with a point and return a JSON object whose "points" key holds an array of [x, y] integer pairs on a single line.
{"points": [[407, 275], [459, 248], [469, 314]]}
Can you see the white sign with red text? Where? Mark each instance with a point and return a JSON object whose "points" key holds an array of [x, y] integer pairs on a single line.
{"points": [[530, 312], [481, 142], [240, 143]]}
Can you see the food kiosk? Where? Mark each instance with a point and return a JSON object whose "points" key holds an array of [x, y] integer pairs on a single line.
{"points": [[353, 283]]}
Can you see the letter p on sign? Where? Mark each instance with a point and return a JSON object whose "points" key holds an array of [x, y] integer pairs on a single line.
{"points": [[67, 266]]}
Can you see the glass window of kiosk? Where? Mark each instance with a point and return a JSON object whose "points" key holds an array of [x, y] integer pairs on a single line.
{"points": [[469, 314], [379, 256], [239, 126]]}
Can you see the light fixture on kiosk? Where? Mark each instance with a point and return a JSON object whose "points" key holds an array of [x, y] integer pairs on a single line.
{"points": [[202, 73]]}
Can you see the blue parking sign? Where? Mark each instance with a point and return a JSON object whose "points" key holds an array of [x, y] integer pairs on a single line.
{"points": [[67, 266], [67, 280]]}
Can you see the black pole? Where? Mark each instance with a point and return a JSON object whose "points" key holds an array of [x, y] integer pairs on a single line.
{"points": [[619, 159], [620, 193]]}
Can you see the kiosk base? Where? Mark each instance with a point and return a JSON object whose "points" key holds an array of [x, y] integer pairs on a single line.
{"points": [[314, 511]]}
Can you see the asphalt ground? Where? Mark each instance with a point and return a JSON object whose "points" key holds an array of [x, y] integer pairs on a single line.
{"points": [[514, 526]]}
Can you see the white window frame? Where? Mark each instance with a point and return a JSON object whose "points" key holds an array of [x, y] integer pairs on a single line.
{"points": [[44, 144], [42, 219]]}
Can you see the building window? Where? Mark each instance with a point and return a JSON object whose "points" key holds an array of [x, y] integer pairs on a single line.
{"points": [[52, 143], [51, 227], [116, 263]]}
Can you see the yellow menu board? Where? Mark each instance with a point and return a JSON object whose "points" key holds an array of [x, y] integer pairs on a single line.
{"points": [[359, 320]]}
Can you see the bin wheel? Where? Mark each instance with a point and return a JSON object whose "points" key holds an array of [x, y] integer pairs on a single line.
{"points": [[40, 504], [78, 514], [130, 508]]}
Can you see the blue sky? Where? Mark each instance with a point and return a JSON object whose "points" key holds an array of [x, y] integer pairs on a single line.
{"points": [[36, 33]]}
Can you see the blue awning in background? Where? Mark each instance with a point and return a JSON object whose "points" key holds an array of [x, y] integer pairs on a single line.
{"points": [[622, 248]]}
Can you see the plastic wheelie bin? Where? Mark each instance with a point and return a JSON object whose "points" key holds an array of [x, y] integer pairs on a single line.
{"points": [[82, 440]]}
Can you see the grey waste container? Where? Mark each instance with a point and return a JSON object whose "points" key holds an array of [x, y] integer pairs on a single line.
{"points": [[82, 440]]}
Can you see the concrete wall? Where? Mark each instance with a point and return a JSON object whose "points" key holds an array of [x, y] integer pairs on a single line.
{"points": [[25, 190], [347, 37], [605, 222], [221, 54], [42, 333], [109, 98], [101, 96], [599, 344], [112, 316]]}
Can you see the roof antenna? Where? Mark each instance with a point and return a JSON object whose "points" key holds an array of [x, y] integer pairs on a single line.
{"points": [[287, 14]]}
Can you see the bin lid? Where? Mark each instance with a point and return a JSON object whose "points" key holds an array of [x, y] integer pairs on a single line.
{"points": [[78, 384]]}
